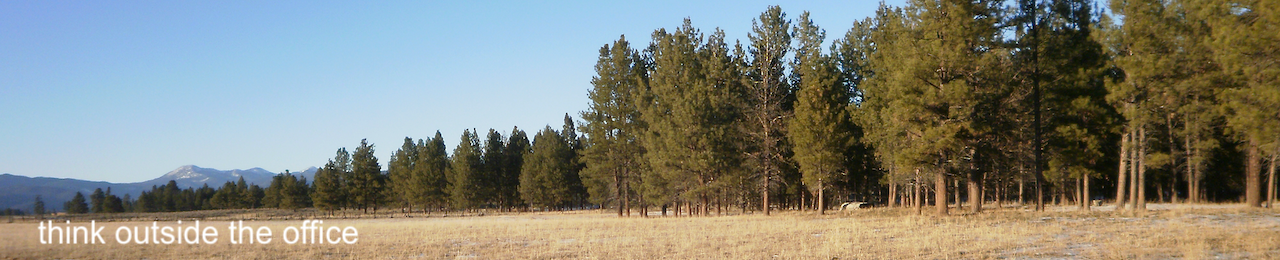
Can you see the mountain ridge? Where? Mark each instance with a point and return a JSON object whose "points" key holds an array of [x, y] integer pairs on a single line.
{"points": [[19, 192]]}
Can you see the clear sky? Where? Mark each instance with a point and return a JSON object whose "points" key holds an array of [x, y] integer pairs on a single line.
{"points": [[127, 91]]}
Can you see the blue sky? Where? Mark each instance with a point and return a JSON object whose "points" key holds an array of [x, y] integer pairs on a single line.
{"points": [[126, 91]]}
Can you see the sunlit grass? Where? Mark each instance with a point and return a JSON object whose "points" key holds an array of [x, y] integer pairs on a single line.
{"points": [[1229, 231]]}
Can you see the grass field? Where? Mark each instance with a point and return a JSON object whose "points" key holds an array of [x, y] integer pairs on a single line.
{"points": [[1168, 231]]}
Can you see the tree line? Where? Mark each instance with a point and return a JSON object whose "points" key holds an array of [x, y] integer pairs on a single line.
{"points": [[992, 100], [937, 102]]}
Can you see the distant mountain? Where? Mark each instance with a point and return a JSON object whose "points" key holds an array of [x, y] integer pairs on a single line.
{"points": [[19, 192], [194, 176]]}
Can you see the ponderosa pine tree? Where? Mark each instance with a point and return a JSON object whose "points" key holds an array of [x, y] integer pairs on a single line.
{"points": [[286, 191], [1148, 58], [467, 169], [76, 205], [96, 200], [886, 34], [493, 161], [940, 85], [569, 131], [1244, 42], [517, 147], [820, 127], [542, 180], [692, 121], [1069, 64], [38, 206], [769, 97], [612, 155], [366, 186], [401, 171], [329, 192], [432, 172]]}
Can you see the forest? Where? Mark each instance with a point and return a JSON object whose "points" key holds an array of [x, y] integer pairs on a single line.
{"points": [[939, 102]]}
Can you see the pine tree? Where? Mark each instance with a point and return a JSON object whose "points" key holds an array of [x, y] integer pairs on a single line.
{"points": [[542, 180], [328, 194], [38, 207], [401, 172], [692, 116], [1244, 42], [76, 205], [1147, 55], [467, 169], [886, 33], [96, 200], [434, 172], [494, 168], [769, 97], [613, 156], [820, 127], [366, 187], [517, 148], [573, 178]]}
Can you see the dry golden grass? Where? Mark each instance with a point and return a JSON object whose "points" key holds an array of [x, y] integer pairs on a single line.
{"points": [[1229, 231]]}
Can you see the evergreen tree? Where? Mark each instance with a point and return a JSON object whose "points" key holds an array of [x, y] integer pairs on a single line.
{"points": [[287, 191], [886, 33], [613, 156], [769, 97], [328, 193], [542, 179], [1244, 42], [96, 200], [494, 169], [517, 148], [1148, 58], [820, 127], [38, 207], [434, 173], [402, 171], [76, 205], [577, 191], [367, 183], [691, 117], [465, 185]]}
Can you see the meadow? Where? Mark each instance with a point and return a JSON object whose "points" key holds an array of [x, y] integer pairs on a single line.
{"points": [[1166, 231]]}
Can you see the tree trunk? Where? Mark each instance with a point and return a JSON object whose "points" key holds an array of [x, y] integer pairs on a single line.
{"points": [[627, 202], [1271, 180], [822, 202], [803, 207], [982, 190], [677, 209], [1088, 199], [1160, 193], [1080, 192], [893, 193], [1022, 188], [940, 193], [916, 198], [764, 190], [1122, 178], [1253, 176], [1173, 161], [1133, 170], [975, 193], [617, 186], [1190, 158], [999, 197], [1141, 201], [1198, 176], [956, 184]]}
